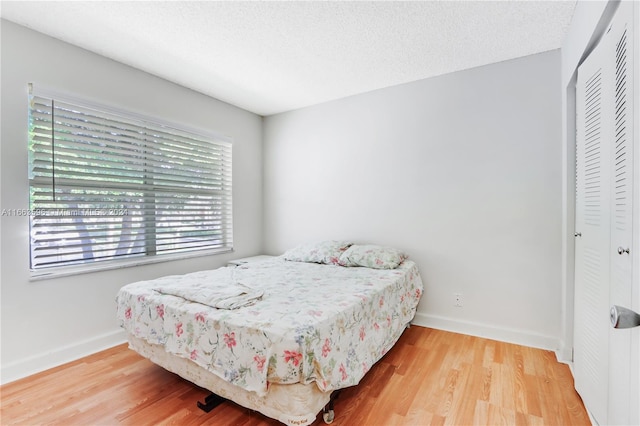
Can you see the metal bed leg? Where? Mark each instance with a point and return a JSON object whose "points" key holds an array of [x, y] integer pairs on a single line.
{"points": [[327, 412], [210, 402]]}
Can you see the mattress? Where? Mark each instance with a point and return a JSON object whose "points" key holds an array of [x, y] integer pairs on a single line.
{"points": [[317, 324]]}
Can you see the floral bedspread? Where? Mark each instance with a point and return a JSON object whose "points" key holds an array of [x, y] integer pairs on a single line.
{"points": [[326, 324]]}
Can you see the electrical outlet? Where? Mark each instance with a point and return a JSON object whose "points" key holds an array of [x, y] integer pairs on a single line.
{"points": [[457, 297]]}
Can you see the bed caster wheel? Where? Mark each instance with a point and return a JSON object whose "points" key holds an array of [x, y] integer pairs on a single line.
{"points": [[328, 416]]}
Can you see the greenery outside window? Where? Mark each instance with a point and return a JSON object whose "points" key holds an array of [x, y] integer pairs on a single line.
{"points": [[107, 185]]}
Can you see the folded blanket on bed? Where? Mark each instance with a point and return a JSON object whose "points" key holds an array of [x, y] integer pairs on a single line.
{"points": [[221, 295]]}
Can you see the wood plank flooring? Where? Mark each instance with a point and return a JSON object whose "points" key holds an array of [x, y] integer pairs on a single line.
{"points": [[430, 377]]}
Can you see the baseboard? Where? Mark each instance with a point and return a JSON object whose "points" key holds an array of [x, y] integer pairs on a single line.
{"points": [[37, 363], [564, 355], [502, 334]]}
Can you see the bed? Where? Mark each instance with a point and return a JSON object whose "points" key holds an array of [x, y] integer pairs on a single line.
{"points": [[281, 335]]}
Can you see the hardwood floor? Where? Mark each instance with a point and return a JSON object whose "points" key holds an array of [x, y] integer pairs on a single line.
{"points": [[429, 377]]}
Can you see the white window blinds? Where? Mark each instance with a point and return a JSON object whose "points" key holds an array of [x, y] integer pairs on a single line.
{"points": [[107, 186]]}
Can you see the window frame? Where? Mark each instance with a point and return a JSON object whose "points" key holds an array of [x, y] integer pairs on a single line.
{"points": [[79, 267]]}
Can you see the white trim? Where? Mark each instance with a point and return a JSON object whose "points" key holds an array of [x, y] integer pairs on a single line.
{"points": [[502, 334], [564, 354], [45, 274], [46, 360]]}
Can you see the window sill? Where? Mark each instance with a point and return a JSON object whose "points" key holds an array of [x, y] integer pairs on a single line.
{"points": [[41, 275]]}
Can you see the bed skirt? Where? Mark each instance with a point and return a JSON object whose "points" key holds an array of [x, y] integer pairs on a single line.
{"points": [[294, 404]]}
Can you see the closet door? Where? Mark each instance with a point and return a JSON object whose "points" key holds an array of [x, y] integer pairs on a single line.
{"points": [[593, 232], [606, 359], [621, 255]]}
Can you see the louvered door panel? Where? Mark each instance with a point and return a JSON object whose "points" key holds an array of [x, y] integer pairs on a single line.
{"points": [[592, 156], [623, 156], [622, 220], [591, 351]]}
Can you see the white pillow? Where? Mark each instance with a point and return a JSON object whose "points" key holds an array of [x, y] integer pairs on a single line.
{"points": [[326, 252], [372, 256]]}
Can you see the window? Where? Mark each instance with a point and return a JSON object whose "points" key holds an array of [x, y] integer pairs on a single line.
{"points": [[108, 185]]}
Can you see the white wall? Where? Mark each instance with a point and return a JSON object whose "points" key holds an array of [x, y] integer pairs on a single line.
{"points": [[48, 322], [462, 171]]}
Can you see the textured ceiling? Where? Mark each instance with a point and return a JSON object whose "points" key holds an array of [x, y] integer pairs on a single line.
{"points": [[270, 57]]}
